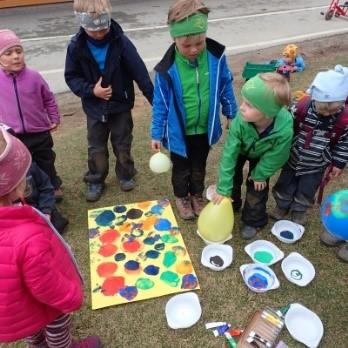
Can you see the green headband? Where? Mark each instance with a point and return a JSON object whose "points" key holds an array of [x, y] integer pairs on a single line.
{"points": [[260, 96], [195, 24]]}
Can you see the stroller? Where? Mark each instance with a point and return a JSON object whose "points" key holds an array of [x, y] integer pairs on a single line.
{"points": [[337, 10]]}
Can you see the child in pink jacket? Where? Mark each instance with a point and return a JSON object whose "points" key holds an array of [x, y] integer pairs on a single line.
{"points": [[28, 106], [40, 281]]}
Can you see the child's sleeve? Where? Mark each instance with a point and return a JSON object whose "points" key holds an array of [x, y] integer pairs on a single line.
{"points": [[274, 159], [300, 63], [160, 108], [137, 68], [42, 279], [227, 97], [229, 158], [74, 77], [49, 102], [340, 152]]}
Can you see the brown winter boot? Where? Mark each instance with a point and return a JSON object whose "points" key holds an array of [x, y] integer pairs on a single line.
{"points": [[277, 213], [198, 203], [183, 204]]}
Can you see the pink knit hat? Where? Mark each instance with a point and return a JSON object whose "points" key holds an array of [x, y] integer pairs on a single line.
{"points": [[8, 39], [14, 163]]}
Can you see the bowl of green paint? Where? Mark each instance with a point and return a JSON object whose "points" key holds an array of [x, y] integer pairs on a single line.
{"points": [[264, 252], [287, 231]]}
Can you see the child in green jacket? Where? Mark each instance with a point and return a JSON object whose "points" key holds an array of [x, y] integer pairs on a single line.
{"points": [[261, 134]]}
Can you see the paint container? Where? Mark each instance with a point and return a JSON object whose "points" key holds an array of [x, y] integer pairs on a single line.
{"points": [[217, 256], [264, 252], [287, 231]]}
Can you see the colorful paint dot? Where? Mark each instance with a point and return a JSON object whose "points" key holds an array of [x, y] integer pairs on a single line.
{"points": [[149, 241], [137, 233], [132, 265], [167, 238], [170, 278], [189, 281], [109, 236], [163, 225], [179, 250], [152, 254], [163, 202], [131, 246], [151, 270], [157, 209], [144, 284], [160, 246], [120, 219], [144, 205], [129, 292], [287, 234], [105, 218], [106, 269], [107, 250], [92, 233], [134, 214], [184, 267], [258, 281], [120, 209], [120, 257], [263, 256], [149, 222], [112, 285], [169, 259]]}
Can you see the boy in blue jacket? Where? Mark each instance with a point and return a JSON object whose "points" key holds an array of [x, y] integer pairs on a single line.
{"points": [[191, 82], [101, 65]]}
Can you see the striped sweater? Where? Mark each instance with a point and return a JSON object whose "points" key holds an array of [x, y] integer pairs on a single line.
{"points": [[319, 154]]}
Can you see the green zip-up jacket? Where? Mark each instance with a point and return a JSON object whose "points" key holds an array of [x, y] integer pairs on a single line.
{"points": [[243, 139]]}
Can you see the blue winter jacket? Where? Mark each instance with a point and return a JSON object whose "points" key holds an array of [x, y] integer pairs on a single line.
{"points": [[299, 63], [123, 65], [168, 112]]}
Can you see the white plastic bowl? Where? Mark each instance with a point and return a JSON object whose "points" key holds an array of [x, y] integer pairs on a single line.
{"points": [[258, 277], [297, 269], [282, 228], [183, 311], [264, 252], [304, 325], [217, 256]]}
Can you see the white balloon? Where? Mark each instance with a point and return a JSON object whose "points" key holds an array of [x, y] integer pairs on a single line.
{"points": [[159, 163]]}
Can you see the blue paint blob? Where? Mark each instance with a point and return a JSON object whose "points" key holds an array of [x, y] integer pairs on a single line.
{"points": [[105, 218], [157, 209], [163, 225], [152, 254], [132, 265], [160, 246], [151, 270], [120, 257], [287, 234], [258, 281], [149, 241], [129, 292], [189, 281], [92, 233], [120, 209], [120, 219], [134, 214]]}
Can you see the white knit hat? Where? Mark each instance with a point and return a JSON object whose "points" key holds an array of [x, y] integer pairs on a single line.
{"points": [[331, 85]]}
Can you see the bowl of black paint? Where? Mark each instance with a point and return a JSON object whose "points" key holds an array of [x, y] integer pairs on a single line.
{"points": [[217, 256], [287, 231]]}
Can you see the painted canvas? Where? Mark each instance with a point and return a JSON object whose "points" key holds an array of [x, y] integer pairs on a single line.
{"points": [[136, 253]]}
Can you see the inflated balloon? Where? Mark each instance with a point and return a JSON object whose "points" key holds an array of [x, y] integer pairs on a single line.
{"points": [[159, 163], [215, 222], [334, 214]]}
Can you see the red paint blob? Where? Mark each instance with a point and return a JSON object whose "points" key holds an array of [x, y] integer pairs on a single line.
{"points": [[107, 250], [109, 236], [106, 269], [112, 286], [131, 246]]}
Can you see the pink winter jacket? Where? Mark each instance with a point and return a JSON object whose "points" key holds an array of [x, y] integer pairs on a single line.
{"points": [[39, 279], [26, 103]]}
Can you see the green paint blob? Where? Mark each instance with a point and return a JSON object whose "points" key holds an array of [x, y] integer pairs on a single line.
{"points": [[170, 278], [263, 256], [168, 238], [144, 284], [169, 259]]}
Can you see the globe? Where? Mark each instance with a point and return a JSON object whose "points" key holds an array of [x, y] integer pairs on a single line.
{"points": [[334, 214]]}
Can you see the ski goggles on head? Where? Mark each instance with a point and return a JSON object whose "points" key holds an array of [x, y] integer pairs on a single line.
{"points": [[91, 22]]}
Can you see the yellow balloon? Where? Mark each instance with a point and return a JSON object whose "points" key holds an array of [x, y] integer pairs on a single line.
{"points": [[159, 163], [215, 222]]}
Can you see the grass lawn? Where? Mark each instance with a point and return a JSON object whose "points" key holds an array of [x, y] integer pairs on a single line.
{"points": [[223, 295]]}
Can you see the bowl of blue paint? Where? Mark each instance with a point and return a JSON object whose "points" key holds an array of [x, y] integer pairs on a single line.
{"points": [[258, 277], [287, 231]]}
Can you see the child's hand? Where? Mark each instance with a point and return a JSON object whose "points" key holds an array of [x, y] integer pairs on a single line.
{"points": [[54, 127], [100, 92], [260, 185], [155, 145], [335, 172], [217, 198]]}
